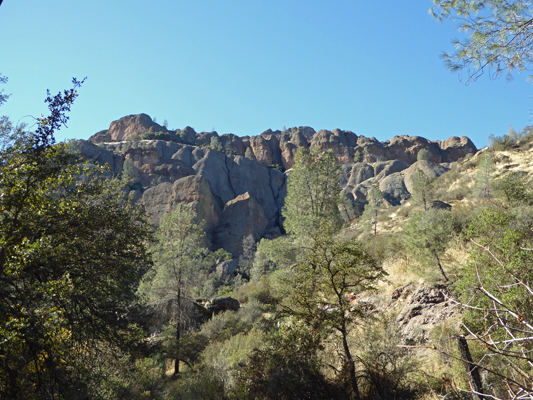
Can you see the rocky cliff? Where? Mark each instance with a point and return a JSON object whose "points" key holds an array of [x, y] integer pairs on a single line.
{"points": [[238, 195]]}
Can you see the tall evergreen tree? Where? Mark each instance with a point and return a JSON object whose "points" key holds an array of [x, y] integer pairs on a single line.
{"points": [[483, 187], [177, 254], [422, 190], [313, 193]]}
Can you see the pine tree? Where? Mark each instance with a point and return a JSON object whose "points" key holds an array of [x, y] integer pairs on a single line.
{"points": [[422, 194], [483, 187], [313, 193], [177, 255]]}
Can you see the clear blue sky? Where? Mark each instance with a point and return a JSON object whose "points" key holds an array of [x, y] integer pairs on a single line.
{"points": [[243, 66]]}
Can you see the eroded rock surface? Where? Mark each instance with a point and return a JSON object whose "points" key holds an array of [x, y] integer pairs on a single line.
{"points": [[422, 309], [238, 196]]}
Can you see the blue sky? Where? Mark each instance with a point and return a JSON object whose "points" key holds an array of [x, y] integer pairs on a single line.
{"points": [[244, 66]]}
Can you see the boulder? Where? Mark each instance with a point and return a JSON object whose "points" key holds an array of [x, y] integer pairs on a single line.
{"points": [[386, 168], [455, 148], [226, 268], [187, 135], [219, 304], [394, 189], [204, 138], [405, 148], [340, 142], [233, 143], [360, 172], [429, 168], [192, 189]]}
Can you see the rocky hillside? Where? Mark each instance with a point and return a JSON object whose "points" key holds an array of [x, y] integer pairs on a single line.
{"points": [[239, 188]]}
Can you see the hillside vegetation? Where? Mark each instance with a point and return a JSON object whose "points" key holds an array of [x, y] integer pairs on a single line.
{"points": [[383, 280]]}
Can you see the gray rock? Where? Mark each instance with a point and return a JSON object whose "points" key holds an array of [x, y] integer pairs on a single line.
{"points": [[219, 304], [429, 168], [423, 310], [387, 168], [360, 172], [226, 268], [242, 216], [393, 188], [193, 190]]}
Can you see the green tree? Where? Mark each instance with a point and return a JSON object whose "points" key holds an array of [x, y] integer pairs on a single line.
{"points": [[72, 251], [427, 234], [423, 155], [249, 154], [495, 287], [483, 186], [372, 209], [316, 291], [129, 174], [499, 35], [313, 193], [178, 254], [286, 368], [216, 144], [513, 188], [422, 190]]}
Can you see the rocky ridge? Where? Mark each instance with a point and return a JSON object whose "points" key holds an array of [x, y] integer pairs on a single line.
{"points": [[238, 196]]}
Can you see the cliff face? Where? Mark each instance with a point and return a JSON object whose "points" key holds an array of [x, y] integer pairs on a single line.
{"points": [[238, 196]]}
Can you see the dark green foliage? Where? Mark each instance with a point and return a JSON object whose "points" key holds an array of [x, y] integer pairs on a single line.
{"points": [[370, 216], [423, 155], [495, 285], [216, 144], [513, 188], [287, 369], [250, 154], [71, 253], [316, 291], [512, 139], [129, 173]]}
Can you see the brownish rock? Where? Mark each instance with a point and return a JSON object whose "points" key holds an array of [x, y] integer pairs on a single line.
{"points": [[192, 189], [128, 126], [455, 148], [405, 148]]}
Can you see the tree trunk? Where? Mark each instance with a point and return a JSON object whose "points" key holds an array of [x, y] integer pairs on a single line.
{"points": [[440, 266], [471, 368], [178, 329], [349, 360]]}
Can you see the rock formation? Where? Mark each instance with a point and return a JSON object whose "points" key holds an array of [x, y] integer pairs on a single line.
{"points": [[237, 196]]}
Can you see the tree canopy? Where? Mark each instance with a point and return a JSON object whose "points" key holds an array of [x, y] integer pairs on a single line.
{"points": [[71, 252], [313, 194], [499, 36]]}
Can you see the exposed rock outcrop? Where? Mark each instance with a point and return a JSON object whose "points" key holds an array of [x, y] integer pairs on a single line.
{"points": [[238, 196], [126, 127], [422, 309], [242, 216], [430, 169]]}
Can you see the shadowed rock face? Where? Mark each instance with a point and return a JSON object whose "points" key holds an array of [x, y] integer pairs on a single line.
{"points": [[237, 196]]}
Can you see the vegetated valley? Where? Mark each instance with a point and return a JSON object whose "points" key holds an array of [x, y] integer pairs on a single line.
{"points": [[148, 263]]}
